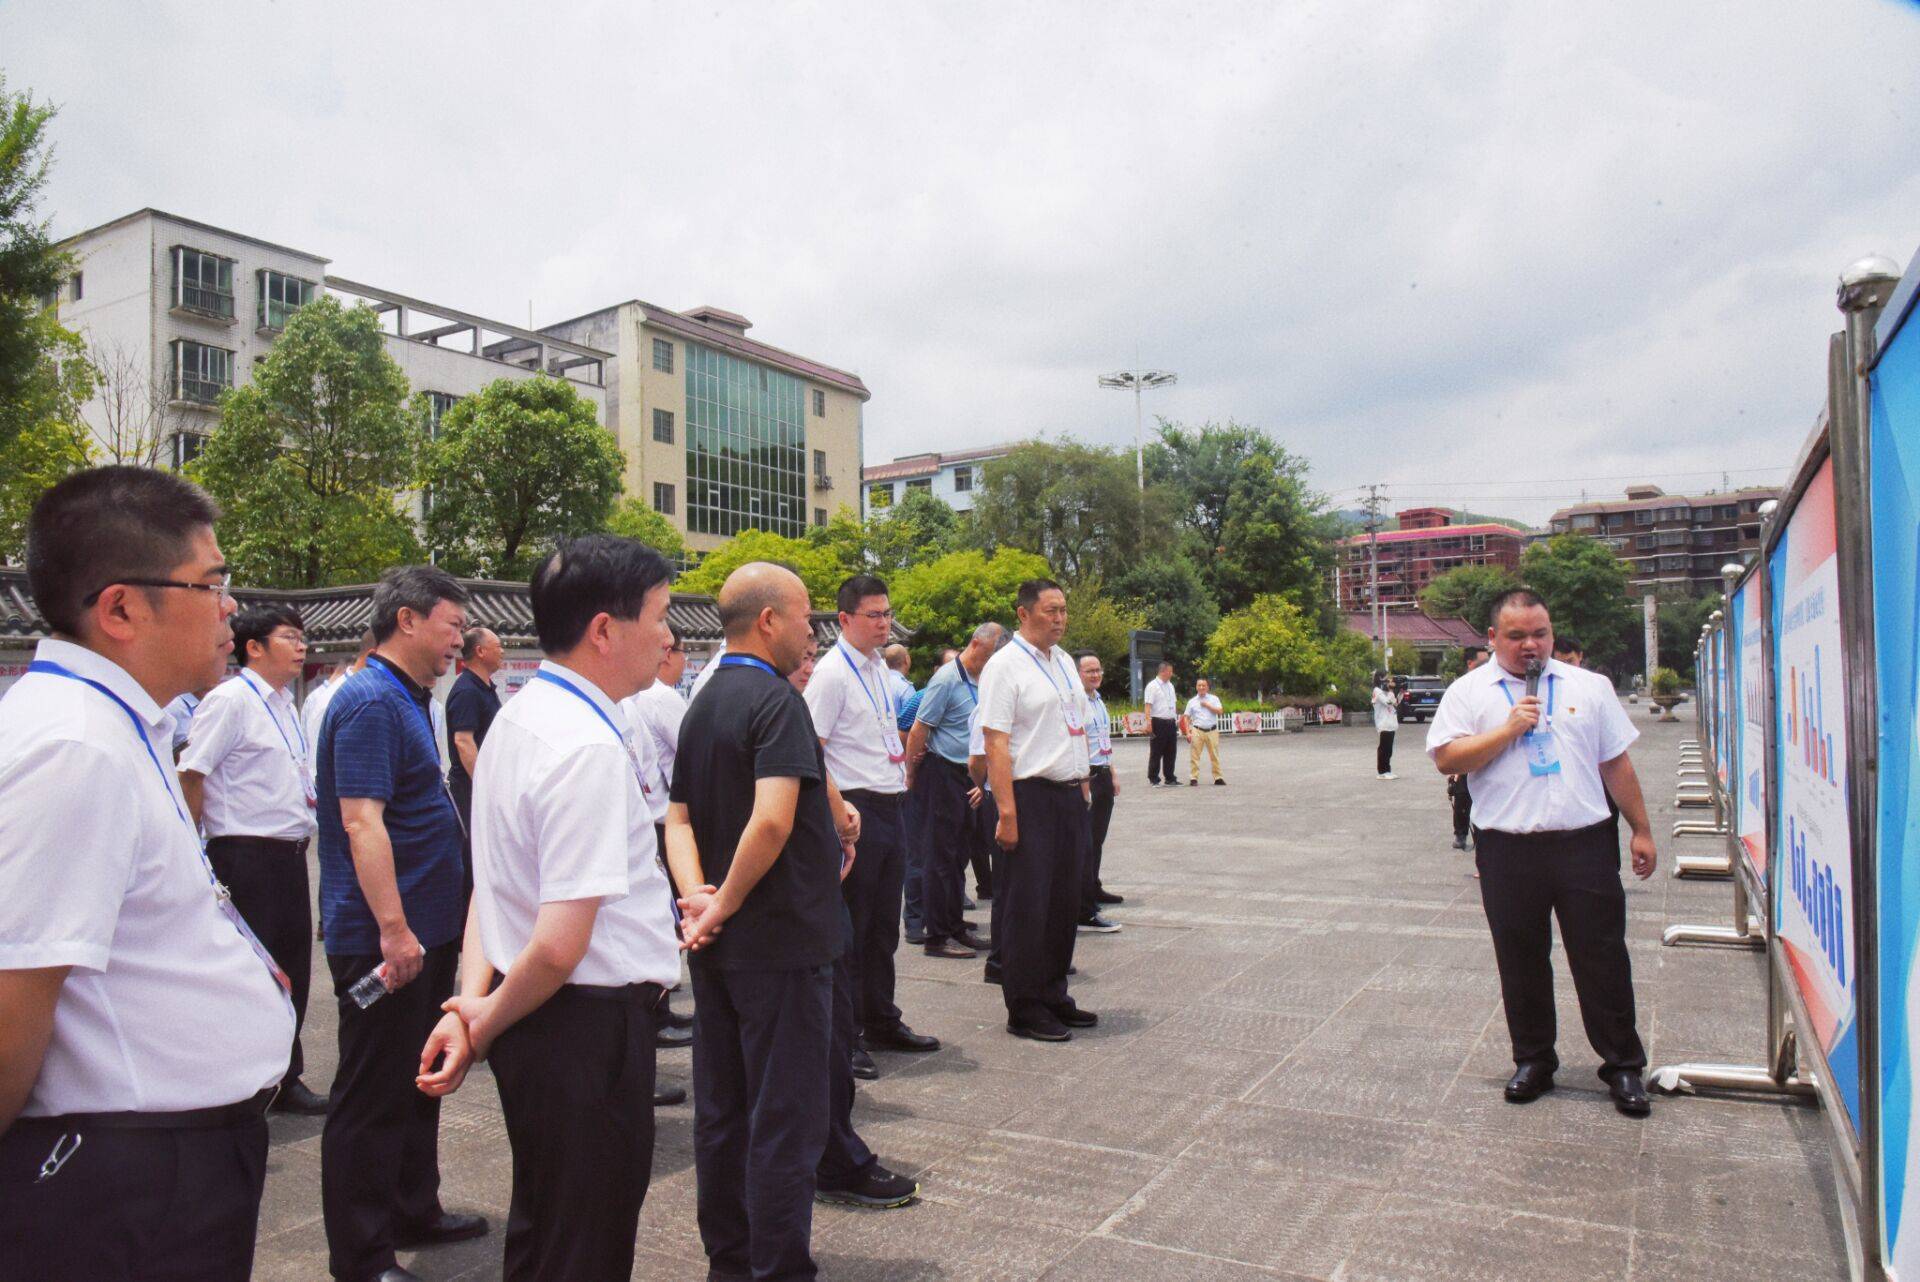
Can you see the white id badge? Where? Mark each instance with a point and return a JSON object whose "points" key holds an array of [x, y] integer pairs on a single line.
{"points": [[1076, 720], [1543, 752], [890, 735]]}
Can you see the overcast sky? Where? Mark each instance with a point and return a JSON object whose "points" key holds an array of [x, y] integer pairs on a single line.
{"points": [[1493, 254]]}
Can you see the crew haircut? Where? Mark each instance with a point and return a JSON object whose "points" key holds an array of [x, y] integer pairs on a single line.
{"points": [[897, 657], [859, 588], [592, 575], [256, 623], [1031, 590], [411, 587], [747, 592], [1515, 599], [471, 641], [104, 526], [1565, 644], [990, 633]]}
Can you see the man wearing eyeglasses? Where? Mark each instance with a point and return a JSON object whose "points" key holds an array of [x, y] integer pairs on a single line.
{"points": [[143, 1029], [244, 772], [856, 716]]}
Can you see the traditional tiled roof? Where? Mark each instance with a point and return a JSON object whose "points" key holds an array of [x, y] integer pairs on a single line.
{"points": [[335, 617], [1416, 627], [927, 464]]}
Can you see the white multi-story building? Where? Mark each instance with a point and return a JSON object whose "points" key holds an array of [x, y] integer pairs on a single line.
{"points": [[952, 477], [177, 312]]}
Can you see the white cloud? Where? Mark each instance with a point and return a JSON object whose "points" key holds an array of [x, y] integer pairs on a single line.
{"points": [[1471, 242]]}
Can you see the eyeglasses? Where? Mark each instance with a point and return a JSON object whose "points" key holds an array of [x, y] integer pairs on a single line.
{"points": [[224, 588], [290, 637], [876, 615]]}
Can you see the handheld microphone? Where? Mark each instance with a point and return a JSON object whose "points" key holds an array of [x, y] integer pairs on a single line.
{"points": [[1533, 678]]}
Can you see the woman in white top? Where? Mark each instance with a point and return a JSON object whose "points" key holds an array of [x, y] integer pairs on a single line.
{"points": [[1386, 719]]}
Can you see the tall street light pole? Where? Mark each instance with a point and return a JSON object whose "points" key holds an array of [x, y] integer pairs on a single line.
{"points": [[1138, 381]]}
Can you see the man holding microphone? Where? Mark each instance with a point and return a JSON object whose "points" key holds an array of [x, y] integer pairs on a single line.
{"points": [[1543, 745]]}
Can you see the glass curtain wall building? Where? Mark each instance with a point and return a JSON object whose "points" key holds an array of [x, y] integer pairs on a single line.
{"points": [[746, 446]]}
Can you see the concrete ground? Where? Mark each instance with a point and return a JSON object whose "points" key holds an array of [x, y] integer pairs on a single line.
{"points": [[1296, 1075]]}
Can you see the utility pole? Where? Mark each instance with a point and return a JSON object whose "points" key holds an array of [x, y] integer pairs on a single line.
{"points": [[1138, 381], [1373, 562]]}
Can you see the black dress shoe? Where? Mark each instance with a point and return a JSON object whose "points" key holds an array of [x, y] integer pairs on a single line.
{"points": [[974, 939], [950, 948], [863, 1066], [915, 935], [901, 1038], [877, 1190], [449, 1227], [992, 975], [669, 1038], [1529, 1082], [1040, 1026], [1219, 783], [666, 1096], [1629, 1093], [672, 1018], [967, 905], [1073, 1017], [1108, 897], [297, 1099]]}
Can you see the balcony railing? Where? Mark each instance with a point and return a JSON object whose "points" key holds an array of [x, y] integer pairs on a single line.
{"points": [[201, 391], [206, 302]]}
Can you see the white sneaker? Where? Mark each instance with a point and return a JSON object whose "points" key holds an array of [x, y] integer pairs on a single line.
{"points": [[1389, 775]]}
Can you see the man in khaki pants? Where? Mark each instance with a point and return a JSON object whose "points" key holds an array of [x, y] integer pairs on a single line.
{"points": [[1202, 720]]}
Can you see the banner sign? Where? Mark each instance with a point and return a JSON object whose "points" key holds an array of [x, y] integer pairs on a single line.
{"points": [[1722, 730], [1137, 723], [1813, 902], [1246, 723], [1750, 726], [1894, 489]]}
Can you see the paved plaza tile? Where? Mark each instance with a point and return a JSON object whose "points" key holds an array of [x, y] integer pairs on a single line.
{"points": [[1297, 1075]]}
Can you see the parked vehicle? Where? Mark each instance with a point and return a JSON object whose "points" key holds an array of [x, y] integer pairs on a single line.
{"points": [[1421, 697]]}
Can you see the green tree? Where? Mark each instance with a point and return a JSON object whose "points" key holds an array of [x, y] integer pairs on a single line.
{"points": [[311, 458], [32, 461], [844, 538], [1077, 505], [635, 519], [918, 528], [1680, 619], [1174, 601], [1467, 593], [1585, 587], [945, 599], [1251, 522], [1103, 624], [31, 267], [1270, 644], [518, 464], [816, 566], [1351, 659]]}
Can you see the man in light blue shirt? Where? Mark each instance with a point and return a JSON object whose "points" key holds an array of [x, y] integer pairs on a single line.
{"points": [[937, 773], [1103, 787]]}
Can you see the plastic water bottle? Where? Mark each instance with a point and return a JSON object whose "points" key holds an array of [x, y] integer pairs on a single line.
{"points": [[371, 988]]}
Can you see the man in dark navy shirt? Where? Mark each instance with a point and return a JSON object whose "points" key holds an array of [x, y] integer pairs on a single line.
{"points": [[472, 705], [390, 896]]}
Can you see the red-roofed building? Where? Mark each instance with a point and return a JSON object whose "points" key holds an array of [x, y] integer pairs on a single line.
{"points": [[951, 476], [1426, 545]]}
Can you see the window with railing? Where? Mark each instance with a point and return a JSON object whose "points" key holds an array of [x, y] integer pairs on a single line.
{"points": [[202, 283], [281, 296], [201, 373]]}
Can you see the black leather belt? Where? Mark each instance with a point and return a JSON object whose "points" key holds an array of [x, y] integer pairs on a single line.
{"points": [[192, 1119], [1101, 770], [638, 994]]}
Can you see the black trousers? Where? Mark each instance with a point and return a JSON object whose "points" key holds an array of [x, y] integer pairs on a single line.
{"points": [[846, 1158], [1160, 750], [913, 844], [576, 1090], [1462, 798], [1383, 755], [982, 851], [1573, 876], [1035, 913], [462, 793], [762, 1042], [380, 1151], [873, 893], [950, 839], [268, 881], [985, 820], [174, 1205], [1099, 818]]}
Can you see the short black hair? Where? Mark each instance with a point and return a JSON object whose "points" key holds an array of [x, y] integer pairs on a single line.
{"points": [[1518, 598], [411, 587], [103, 526], [1029, 594], [1564, 643], [589, 576], [257, 622], [859, 588], [1087, 654]]}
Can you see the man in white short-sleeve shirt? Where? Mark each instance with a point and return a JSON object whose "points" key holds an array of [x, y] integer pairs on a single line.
{"points": [[857, 716], [1541, 767], [656, 713], [1163, 712], [142, 1030], [246, 778], [313, 713], [1034, 719], [572, 915]]}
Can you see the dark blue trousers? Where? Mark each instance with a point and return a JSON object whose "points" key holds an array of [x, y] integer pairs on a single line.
{"points": [[942, 787], [847, 1157], [762, 1041], [915, 839], [872, 892]]}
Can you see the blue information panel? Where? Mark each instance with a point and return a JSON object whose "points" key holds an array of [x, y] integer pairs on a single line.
{"points": [[1895, 494]]}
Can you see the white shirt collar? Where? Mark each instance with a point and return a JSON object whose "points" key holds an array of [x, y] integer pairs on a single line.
{"points": [[259, 683], [853, 653], [1046, 657], [594, 693], [95, 666]]}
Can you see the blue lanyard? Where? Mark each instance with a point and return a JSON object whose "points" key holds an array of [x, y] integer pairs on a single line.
{"points": [[1549, 684], [242, 677], [581, 695], [973, 691], [50, 668], [1049, 670], [884, 692], [401, 686], [749, 661]]}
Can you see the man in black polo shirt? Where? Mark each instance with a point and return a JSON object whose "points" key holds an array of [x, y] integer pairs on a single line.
{"points": [[763, 986], [472, 705]]}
